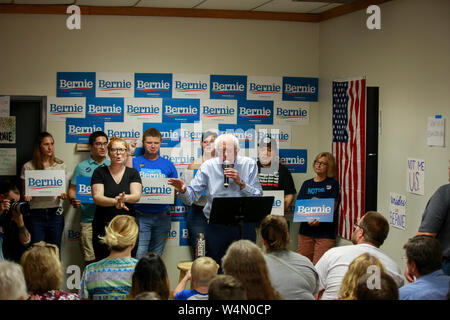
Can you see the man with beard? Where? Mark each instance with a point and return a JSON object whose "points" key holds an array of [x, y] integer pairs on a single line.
{"points": [[369, 234]]}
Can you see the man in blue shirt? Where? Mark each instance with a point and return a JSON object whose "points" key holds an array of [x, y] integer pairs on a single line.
{"points": [[98, 142], [154, 219], [424, 263], [243, 182]]}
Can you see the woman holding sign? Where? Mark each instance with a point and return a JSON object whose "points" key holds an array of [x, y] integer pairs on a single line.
{"points": [[115, 188], [315, 237], [46, 221]]}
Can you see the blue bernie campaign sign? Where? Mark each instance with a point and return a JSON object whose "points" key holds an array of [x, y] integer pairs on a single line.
{"points": [[300, 89], [84, 193], [310, 209], [228, 87], [295, 160], [75, 84], [78, 130]]}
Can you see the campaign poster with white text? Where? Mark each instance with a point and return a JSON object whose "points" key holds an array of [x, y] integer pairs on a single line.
{"points": [[40, 183], [58, 109]]}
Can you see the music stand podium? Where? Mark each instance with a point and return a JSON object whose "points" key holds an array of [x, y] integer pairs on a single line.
{"points": [[235, 211]]}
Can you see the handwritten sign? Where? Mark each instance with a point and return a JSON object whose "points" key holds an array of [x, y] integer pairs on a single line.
{"points": [[157, 190], [436, 131], [8, 130], [397, 211], [8, 162], [415, 176], [43, 183], [84, 191], [278, 201], [310, 209]]}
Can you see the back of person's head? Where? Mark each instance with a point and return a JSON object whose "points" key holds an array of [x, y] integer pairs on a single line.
{"points": [[94, 135], [148, 295], [42, 268], [376, 228], [426, 253], [203, 270], [12, 281], [362, 265], [245, 261], [150, 274], [366, 289], [226, 287], [274, 231], [121, 233]]}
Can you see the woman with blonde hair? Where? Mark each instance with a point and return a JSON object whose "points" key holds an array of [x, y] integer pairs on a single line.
{"points": [[245, 261], [46, 221], [115, 188], [110, 278], [315, 238], [364, 264], [44, 273]]}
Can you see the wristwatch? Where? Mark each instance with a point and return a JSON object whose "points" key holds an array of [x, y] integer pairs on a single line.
{"points": [[242, 184]]}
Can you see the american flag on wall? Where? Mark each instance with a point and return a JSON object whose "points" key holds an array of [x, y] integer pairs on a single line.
{"points": [[349, 149]]}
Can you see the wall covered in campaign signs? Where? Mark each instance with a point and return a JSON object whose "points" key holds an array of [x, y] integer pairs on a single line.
{"points": [[182, 106]]}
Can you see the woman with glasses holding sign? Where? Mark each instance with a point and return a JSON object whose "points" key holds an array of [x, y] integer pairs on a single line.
{"points": [[115, 188], [315, 237], [45, 221]]}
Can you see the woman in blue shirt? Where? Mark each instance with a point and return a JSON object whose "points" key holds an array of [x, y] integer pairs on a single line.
{"points": [[316, 238]]}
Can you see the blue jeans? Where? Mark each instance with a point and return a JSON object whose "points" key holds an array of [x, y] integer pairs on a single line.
{"points": [[153, 231], [196, 223], [46, 225], [219, 237]]}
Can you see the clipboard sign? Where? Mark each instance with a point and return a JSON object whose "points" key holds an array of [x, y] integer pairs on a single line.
{"points": [[310, 209], [45, 183], [157, 191]]}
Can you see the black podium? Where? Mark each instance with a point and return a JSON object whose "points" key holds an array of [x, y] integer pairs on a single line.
{"points": [[235, 211]]}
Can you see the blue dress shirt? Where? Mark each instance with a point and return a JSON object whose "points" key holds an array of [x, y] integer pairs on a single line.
{"points": [[210, 177]]}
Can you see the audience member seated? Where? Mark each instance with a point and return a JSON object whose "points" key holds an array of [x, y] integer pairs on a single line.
{"points": [[386, 290], [370, 232], [291, 274], [245, 261], [424, 264], [225, 287], [147, 295], [44, 273], [150, 274], [203, 270], [364, 264], [110, 278], [12, 281]]}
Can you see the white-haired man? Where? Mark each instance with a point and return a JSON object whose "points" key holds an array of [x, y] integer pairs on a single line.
{"points": [[243, 182]]}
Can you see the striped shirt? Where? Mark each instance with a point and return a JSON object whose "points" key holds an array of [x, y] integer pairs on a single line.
{"points": [[107, 279]]}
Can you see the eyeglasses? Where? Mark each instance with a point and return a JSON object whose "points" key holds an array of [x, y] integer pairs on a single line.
{"points": [[100, 144], [358, 226], [118, 150], [321, 163]]}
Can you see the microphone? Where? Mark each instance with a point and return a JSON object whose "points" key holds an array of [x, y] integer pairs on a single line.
{"points": [[226, 164]]}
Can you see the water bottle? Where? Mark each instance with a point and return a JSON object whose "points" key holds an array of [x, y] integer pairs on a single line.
{"points": [[200, 245]]}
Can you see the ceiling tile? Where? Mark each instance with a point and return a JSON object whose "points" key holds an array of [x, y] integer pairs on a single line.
{"points": [[231, 4], [290, 6], [49, 2], [169, 3], [325, 7], [6, 1], [106, 3]]}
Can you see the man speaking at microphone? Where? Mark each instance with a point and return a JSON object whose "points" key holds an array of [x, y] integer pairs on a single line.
{"points": [[227, 175]]}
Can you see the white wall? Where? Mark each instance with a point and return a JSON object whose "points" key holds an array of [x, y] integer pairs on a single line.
{"points": [[36, 47], [409, 60]]}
